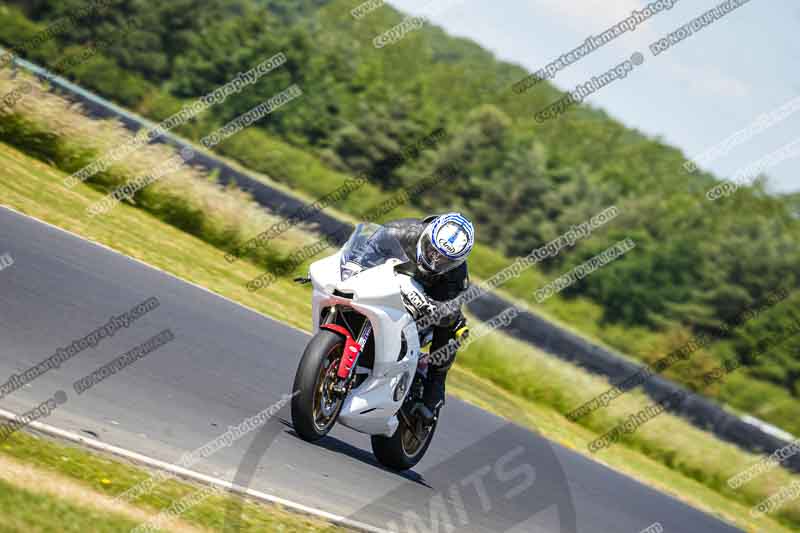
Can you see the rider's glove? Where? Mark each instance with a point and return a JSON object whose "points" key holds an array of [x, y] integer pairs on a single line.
{"points": [[461, 334], [418, 304]]}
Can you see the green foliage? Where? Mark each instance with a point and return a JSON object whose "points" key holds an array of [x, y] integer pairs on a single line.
{"points": [[767, 347]]}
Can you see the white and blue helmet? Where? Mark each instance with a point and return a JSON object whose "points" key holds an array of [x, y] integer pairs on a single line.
{"points": [[445, 243]]}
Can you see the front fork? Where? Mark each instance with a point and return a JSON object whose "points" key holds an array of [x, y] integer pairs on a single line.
{"points": [[348, 365], [352, 350]]}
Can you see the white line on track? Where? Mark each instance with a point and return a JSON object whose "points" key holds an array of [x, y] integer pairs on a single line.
{"points": [[196, 476]]}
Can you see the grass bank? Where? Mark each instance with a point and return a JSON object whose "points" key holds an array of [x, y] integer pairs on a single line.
{"points": [[48, 486]]}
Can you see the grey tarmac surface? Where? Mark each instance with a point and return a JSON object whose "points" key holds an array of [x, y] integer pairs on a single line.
{"points": [[227, 363]]}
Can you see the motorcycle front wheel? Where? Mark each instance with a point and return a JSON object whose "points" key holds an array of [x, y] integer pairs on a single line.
{"points": [[316, 406]]}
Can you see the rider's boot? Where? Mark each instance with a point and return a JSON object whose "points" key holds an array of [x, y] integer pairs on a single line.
{"points": [[434, 392], [433, 395]]}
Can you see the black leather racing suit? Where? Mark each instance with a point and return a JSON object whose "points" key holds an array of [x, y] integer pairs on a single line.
{"points": [[440, 288]]}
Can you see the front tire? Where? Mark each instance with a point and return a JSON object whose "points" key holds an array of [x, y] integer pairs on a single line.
{"points": [[316, 406], [404, 449]]}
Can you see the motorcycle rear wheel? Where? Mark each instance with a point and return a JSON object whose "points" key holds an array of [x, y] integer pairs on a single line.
{"points": [[316, 406], [405, 448]]}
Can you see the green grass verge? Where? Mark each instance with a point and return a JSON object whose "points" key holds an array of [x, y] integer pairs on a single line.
{"points": [[25, 511], [667, 453], [110, 477]]}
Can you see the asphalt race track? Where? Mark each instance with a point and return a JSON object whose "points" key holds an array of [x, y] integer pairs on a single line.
{"points": [[227, 363]]}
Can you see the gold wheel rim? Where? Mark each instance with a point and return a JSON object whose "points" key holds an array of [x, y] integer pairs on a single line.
{"points": [[326, 402]]}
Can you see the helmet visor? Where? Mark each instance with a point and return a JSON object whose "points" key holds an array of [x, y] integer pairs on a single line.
{"points": [[433, 259]]}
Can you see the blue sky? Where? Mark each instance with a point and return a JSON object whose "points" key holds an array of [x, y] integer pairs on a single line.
{"points": [[694, 95]]}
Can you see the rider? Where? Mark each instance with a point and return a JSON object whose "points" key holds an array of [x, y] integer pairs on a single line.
{"points": [[440, 245]]}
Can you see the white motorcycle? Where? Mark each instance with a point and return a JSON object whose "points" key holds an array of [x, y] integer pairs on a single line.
{"points": [[363, 365]]}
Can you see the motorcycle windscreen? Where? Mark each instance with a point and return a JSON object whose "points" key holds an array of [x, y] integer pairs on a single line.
{"points": [[369, 246]]}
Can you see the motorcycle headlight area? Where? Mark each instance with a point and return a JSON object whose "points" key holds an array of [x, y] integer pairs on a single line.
{"points": [[348, 270]]}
